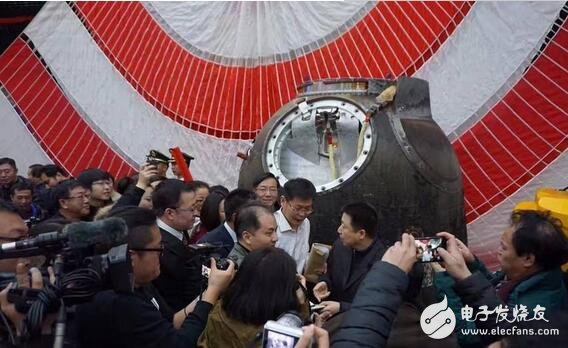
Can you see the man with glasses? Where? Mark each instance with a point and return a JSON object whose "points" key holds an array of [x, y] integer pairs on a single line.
{"points": [[72, 199], [142, 318], [292, 219], [180, 277]]}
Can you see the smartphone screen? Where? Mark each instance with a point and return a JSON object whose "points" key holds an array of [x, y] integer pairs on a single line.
{"points": [[427, 249], [275, 339]]}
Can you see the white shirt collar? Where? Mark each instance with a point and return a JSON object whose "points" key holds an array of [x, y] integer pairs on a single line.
{"points": [[169, 229], [282, 222], [231, 232]]}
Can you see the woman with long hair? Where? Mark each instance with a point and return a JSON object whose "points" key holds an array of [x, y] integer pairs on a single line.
{"points": [[265, 287]]}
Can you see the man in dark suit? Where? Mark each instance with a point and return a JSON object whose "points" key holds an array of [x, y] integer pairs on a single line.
{"points": [[141, 318], [350, 259], [180, 275], [225, 235]]}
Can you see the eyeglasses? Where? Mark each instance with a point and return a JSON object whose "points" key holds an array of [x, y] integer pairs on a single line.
{"points": [[83, 197], [160, 249], [306, 211]]}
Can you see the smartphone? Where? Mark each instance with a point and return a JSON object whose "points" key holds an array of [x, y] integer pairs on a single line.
{"points": [[427, 249], [276, 335]]}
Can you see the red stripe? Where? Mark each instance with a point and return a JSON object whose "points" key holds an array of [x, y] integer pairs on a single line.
{"points": [[15, 20], [53, 121], [531, 125], [147, 63]]}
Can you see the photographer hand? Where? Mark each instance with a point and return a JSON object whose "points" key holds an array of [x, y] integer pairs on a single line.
{"points": [[321, 337], [466, 253], [454, 260], [146, 172], [219, 281], [402, 254], [330, 308], [9, 309], [26, 278]]}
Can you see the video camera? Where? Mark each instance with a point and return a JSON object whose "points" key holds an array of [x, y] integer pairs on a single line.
{"points": [[32, 221], [93, 253], [208, 250], [88, 257]]}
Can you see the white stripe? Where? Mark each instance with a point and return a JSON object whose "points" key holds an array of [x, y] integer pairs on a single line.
{"points": [[253, 29], [484, 53]]}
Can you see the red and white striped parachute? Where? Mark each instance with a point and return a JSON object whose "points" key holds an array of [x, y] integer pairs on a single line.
{"points": [[98, 84]]}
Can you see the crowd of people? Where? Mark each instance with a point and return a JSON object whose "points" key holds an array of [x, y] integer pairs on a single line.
{"points": [[209, 266]]}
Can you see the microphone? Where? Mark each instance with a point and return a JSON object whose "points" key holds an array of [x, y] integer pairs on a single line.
{"points": [[100, 235]]}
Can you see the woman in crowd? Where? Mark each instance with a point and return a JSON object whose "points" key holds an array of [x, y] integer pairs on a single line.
{"points": [[267, 188], [265, 287], [212, 215]]}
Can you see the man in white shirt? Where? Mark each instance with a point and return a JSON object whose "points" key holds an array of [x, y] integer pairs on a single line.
{"points": [[292, 219]]}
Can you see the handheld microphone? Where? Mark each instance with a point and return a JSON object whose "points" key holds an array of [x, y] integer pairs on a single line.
{"points": [[100, 235]]}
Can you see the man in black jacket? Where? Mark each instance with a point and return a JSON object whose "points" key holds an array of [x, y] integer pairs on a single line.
{"points": [[351, 257], [368, 322], [180, 277], [8, 177], [142, 318], [72, 199]]}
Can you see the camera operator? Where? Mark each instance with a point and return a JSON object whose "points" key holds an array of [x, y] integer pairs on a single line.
{"points": [[142, 318], [531, 253]]}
